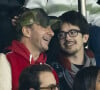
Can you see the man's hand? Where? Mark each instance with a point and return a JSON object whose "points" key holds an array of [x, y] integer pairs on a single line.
{"points": [[14, 20]]}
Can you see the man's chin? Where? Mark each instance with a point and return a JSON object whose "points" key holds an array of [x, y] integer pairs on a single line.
{"points": [[69, 53], [45, 49]]}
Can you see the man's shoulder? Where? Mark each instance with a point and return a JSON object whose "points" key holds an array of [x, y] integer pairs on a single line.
{"points": [[91, 56], [3, 59], [5, 73], [4, 63], [89, 53], [57, 67], [2, 56], [60, 70]]}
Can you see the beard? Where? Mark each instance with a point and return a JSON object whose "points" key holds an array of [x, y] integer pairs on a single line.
{"points": [[67, 48], [68, 53]]}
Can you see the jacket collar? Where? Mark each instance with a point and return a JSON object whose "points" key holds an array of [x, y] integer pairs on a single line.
{"points": [[19, 48]]}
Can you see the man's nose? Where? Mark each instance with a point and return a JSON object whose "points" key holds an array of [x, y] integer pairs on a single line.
{"points": [[50, 31], [67, 36]]}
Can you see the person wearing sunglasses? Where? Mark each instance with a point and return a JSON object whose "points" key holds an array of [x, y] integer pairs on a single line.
{"points": [[38, 77], [33, 35], [71, 52]]}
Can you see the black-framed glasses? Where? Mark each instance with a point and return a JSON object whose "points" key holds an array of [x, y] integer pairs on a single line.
{"points": [[71, 33], [51, 87]]}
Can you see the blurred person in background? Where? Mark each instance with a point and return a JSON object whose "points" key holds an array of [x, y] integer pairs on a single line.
{"points": [[87, 79], [38, 77], [8, 9]]}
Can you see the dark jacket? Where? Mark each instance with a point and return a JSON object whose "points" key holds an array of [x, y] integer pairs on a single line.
{"points": [[67, 73]]}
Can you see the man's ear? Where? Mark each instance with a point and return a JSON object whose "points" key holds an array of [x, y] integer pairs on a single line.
{"points": [[31, 89], [26, 31], [85, 38]]}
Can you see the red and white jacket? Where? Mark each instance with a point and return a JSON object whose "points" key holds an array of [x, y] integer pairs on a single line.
{"points": [[14, 62]]}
